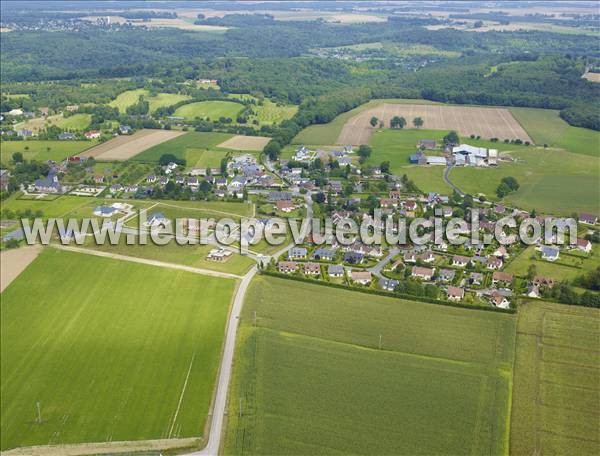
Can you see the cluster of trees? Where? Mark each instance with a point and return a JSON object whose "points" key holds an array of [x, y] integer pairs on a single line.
{"points": [[591, 280], [507, 185], [564, 293]]}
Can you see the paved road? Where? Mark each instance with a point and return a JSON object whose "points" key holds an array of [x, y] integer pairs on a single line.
{"points": [[447, 180], [376, 270], [220, 403]]}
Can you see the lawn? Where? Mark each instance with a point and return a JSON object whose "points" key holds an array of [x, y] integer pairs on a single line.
{"points": [[567, 267], [179, 146], [38, 150], [309, 377], [107, 358], [212, 110], [556, 380]]}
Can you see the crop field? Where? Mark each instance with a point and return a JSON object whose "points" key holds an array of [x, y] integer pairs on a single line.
{"points": [[546, 127], [553, 181], [58, 207], [212, 110], [567, 267], [309, 377], [76, 122], [242, 142], [107, 359], [557, 380], [42, 150], [131, 97], [188, 146], [127, 146], [14, 261], [466, 120]]}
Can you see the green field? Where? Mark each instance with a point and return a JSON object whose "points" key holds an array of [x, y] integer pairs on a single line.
{"points": [[309, 378], [58, 207], [556, 380], [107, 358], [189, 147], [75, 122], [38, 150], [567, 267], [212, 110], [270, 113], [546, 127], [131, 97]]}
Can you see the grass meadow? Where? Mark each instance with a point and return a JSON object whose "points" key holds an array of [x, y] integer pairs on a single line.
{"points": [[107, 358], [556, 380], [309, 377], [209, 109], [190, 146], [131, 97], [42, 150]]}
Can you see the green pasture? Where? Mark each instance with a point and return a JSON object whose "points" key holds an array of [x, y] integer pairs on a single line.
{"points": [[212, 110], [33, 149], [179, 146]]}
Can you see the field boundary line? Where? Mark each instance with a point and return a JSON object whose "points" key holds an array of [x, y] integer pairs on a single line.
{"points": [[149, 262], [76, 449], [187, 377]]}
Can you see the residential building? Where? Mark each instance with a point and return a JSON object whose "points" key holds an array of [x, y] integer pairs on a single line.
{"points": [[419, 272], [455, 293], [361, 277]]}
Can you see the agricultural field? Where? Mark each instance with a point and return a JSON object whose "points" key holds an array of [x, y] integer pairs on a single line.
{"points": [[42, 150], [15, 261], [76, 122], [245, 143], [270, 113], [567, 267], [309, 377], [125, 147], [546, 127], [58, 207], [212, 110], [556, 380], [466, 120], [131, 97], [106, 364], [189, 146]]}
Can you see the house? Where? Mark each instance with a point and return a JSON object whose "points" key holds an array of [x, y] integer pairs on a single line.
{"points": [[433, 160], [279, 196], [388, 284], [361, 277], [410, 205], [116, 188], [93, 134], [49, 184], [66, 136], [427, 257], [324, 254], [335, 186], [499, 300], [533, 291], [493, 263], [24, 133], [312, 268], [105, 211], [550, 253], [99, 179], [287, 267], [192, 182], [157, 219], [476, 278], [72, 108], [588, 219], [504, 277], [285, 206], [124, 129], [446, 275], [584, 245], [410, 257], [151, 179], [540, 281], [460, 261], [180, 180], [422, 273], [353, 257], [335, 270], [455, 293], [297, 252], [501, 252], [219, 255], [426, 144]]}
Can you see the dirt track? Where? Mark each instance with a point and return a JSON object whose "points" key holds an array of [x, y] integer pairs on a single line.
{"points": [[241, 142], [13, 262], [466, 120], [124, 147]]}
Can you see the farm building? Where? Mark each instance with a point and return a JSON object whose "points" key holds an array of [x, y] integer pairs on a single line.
{"points": [[466, 155]]}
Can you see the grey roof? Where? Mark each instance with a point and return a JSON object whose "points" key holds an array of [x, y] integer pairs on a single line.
{"points": [[335, 269]]}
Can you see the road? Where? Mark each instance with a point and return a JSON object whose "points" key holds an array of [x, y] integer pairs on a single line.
{"points": [[376, 270], [447, 180]]}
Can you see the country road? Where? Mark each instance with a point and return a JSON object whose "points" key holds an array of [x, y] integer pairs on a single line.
{"points": [[447, 180]]}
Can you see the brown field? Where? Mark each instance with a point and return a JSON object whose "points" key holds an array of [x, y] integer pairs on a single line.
{"points": [[124, 147], [13, 262], [241, 142], [466, 120], [153, 23], [592, 77]]}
